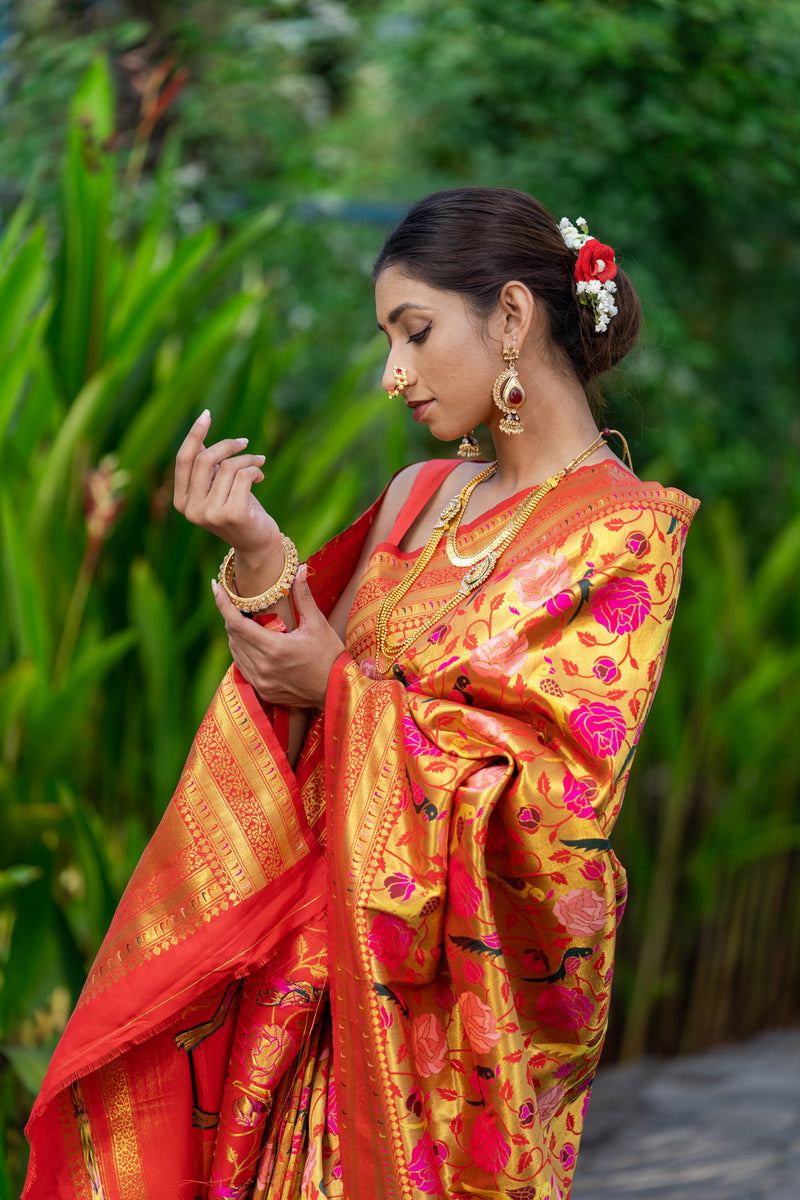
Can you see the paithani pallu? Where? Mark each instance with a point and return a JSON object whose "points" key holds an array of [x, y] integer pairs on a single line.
{"points": [[386, 974]]}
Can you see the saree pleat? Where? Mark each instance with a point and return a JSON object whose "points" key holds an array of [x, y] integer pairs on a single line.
{"points": [[387, 973]]}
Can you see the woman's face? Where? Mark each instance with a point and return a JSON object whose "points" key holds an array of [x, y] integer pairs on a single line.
{"points": [[451, 356]]}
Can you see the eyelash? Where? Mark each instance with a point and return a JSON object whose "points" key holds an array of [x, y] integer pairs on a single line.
{"points": [[423, 333]]}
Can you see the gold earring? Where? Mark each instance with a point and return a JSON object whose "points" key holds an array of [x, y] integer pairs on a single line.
{"points": [[400, 381], [469, 448], [508, 393]]}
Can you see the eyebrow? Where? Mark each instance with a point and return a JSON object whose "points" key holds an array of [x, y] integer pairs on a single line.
{"points": [[397, 312]]}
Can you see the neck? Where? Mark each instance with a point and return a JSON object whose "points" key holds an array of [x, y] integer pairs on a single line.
{"points": [[557, 426]]}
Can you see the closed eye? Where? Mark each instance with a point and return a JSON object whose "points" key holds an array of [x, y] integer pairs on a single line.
{"points": [[423, 333]]}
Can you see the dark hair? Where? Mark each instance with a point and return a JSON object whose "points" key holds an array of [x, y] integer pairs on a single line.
{"points": [[474, 240]]}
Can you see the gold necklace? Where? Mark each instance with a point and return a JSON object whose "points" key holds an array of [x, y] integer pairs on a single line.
{"points": [[505, 536], [480, 566]]}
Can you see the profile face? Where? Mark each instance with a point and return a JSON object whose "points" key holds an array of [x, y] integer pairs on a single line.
{"points": [[450, 355]]}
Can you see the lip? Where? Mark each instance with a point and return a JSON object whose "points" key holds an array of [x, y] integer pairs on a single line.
{"points": [[418, 408]]}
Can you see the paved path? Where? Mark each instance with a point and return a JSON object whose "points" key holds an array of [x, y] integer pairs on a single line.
{"points": [[724, 1125]]}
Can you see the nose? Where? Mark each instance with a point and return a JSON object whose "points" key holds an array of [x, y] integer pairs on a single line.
{"points": [[395, 379]]}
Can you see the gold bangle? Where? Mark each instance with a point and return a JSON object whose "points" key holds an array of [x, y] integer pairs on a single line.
{"points": [[255, 604]]}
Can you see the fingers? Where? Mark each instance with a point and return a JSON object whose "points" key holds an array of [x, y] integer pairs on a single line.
{"points": [[304, 601], [210, 463], [208, 477], [190, 447]]}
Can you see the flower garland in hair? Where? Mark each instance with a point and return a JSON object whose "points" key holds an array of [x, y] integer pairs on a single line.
{"points": [[594, 271]]}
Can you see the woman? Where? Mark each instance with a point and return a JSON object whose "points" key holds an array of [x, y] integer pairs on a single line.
{"points": [[368, 952]]}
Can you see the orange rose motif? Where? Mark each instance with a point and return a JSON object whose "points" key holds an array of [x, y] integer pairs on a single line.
{"points": [[582, 912], [428, 1044], [504, 654], [542, 578], [479, 1022]]}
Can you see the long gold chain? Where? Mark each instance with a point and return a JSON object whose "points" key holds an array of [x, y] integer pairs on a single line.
{"points": [[480, 566]]}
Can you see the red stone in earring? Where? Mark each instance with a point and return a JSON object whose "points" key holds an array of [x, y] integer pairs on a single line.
{"points": [[508, 392]]}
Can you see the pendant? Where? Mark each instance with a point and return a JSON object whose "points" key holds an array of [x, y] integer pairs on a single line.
{"points": [[478, 574], [449, 513]]}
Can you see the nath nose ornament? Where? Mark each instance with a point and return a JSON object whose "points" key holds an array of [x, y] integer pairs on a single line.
{"points": [[400, 381]]}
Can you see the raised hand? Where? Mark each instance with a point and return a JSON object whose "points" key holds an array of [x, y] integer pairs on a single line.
{"points": [[213, 489]]}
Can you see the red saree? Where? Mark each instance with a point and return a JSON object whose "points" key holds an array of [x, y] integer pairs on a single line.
{"points": [[386, 974]]}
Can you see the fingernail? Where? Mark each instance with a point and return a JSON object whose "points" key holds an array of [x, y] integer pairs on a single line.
{"points": [[205, 414], [214, 586], [243, 441], [261, 458]]}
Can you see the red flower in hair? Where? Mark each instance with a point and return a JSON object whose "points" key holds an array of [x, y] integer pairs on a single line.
{"points": [[595, 261]]}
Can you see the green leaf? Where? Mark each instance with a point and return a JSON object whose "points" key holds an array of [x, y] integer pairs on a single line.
{"points": [[29, 1064], [24, 595]]}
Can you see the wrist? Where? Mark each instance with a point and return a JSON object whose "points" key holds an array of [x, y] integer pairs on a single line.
{"points": [[258, 586], [256, 570]]}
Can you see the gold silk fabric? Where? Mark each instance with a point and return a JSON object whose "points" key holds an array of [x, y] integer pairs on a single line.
{"points": [[386, 975], [474, 891]]}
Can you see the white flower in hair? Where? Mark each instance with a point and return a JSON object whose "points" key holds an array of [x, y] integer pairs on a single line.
{"points": [[594, 271]]}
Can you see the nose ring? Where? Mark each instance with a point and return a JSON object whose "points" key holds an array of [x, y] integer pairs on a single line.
{"points": [[400, 381]]}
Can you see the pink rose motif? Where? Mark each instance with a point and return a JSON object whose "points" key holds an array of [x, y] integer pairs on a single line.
{"points": [[487, 777], [561, 1008], [484, 726], [582, 912], [606, 670], [390, 940], [541, 578], [560, 603], [599, 727], [490, 1150], [579, 794], [422, 1167], [369, 668], [567, 1156], [399, 887], [415, 741], [621, 605], [462, 891], [595, 261], [504, 654], [638, 545], [428, 1044], [479, 1023]]}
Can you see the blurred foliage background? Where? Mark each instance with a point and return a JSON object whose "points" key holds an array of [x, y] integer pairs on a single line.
{"points": [[191, 196]]}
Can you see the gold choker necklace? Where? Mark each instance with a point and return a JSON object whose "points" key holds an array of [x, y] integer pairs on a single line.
{"points": [[481, 565]]}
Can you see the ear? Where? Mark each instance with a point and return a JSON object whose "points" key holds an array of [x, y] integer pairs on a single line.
{"points": [[516, 312]]}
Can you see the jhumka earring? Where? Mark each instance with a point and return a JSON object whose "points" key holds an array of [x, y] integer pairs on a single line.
{"points": [[469, 448], [400, 381], [508, 393]]}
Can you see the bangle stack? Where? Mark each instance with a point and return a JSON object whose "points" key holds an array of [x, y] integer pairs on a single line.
{"points": [[256, 604]]}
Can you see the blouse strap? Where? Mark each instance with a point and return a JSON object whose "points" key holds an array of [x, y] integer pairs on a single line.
{"points": [[427, 482]]}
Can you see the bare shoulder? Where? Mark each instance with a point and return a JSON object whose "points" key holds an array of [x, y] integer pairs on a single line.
{"points": [[397, 493]]}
